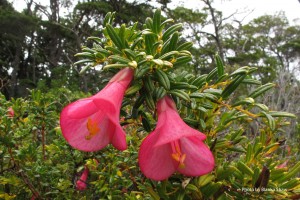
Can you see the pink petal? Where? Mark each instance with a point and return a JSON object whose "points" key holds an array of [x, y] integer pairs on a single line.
{"points": [[80, 109], [199, 159], [171, 128], [124, 77], [75, 130], [155, 161], [118, 139], [108, 107], [80, 185]]}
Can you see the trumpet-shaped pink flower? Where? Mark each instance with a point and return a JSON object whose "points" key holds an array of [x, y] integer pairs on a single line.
{"points": [[173, 146], [81, 183], [92, 123]]}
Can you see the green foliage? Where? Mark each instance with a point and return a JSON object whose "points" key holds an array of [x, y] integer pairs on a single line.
{"points": [[246, 137]]}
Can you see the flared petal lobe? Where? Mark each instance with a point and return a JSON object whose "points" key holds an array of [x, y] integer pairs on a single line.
{"points": [[174, 146], [155, 161], [90, 124]]}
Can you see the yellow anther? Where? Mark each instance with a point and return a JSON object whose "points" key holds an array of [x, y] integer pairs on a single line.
{"points": [[177, 155], [92, 127]]}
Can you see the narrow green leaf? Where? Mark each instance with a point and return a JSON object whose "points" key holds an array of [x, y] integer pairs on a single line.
{"points": [[130, 54], [121, 34], [233, 85], [148, 83], [173, 42], [191, 122], [113, 50], [156, 21], [159, 92], [184, 46], [262, 106], [146, 122], [149, 41], [159, 62], [197, 95], [165, 22], [291, 184], [141, 71], [260, 90], [139, 101], [181, 94], [205, 179], [133, 89], [149, 101], [149, 23], [244, 168], [153, 194], [199, 81], [163, 79], [281, 114], [85, 54], [221, 78], [86, 49], [245, 101], [114, 36], [192, 187], [168, 55], [118, 66], [251, 81], [211, 75], [84, 69], [182, 85], [241, 70], [270, 119], [249, 153], [182, 60], [136, 43], [108, 18], [172, 29], [210, 189], [83, 61], [216, 92], [120, 59], [220, 65]]}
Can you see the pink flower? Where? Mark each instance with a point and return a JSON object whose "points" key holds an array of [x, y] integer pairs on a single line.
{"points": [[81, 183], [92, 123], [10, 112], [173, 146]]}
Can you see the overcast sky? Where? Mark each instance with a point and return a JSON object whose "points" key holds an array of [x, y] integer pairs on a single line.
{"points": [[258, 7]]}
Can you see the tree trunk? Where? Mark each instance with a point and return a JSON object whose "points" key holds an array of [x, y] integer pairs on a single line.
{"points": [[14, 74]]}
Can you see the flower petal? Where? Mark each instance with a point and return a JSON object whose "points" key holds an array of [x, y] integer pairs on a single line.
{"points": [[155, 161], [80, 109], [171, 128], [75, 131], [199, 159], [118, 139]]}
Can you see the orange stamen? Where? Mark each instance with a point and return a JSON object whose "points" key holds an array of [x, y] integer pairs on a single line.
{"points": [[177, 155], [92, 127]]}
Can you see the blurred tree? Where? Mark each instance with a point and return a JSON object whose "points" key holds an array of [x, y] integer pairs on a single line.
{"points": [[39, 44], [15, 36]]}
